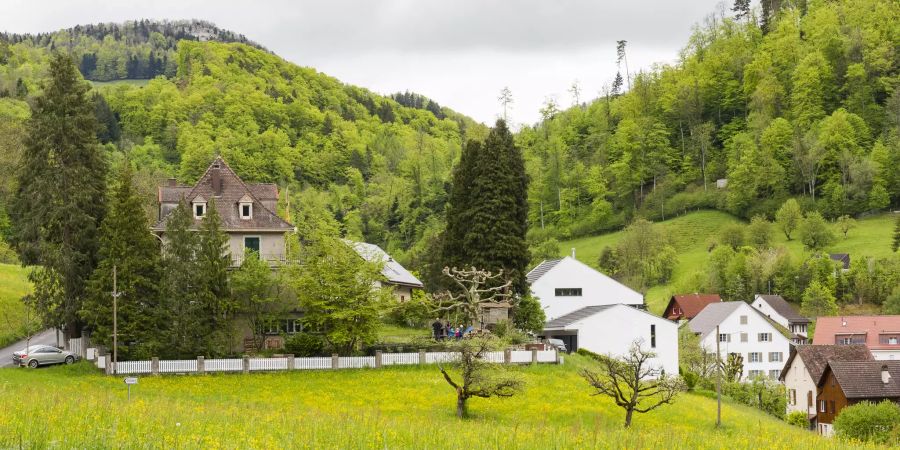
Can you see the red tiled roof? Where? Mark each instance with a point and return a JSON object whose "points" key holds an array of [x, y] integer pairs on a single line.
{"points": [[827, 328], [690, 304]]}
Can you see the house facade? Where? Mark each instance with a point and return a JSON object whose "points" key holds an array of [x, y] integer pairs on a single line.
{"points": [[881, 334], [394, 275], [845, 383], [566, 285], [611, 330], [783, 313], [763, 344], [687, 306], [247, 211], [804, 368]]}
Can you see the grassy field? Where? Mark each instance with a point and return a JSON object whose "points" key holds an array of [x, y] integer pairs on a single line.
{"points": [[400, 407], [13, 285], [692, 233]]}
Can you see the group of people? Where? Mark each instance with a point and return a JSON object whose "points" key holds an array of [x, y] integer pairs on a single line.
{"points": [[444, 331]]}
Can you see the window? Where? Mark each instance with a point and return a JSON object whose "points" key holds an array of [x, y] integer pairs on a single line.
{"points": [[251, 243], [246, 211], [822, 405], [775, 357], [744, 337], [792, 396], [890, 339], [755, 357], [774, 374], [724, 337], [652, 336], [832, 406], [809, 399], [845, 341], [755, 373], [743, 320], [568, 292], [199, 210], [764, 337]]}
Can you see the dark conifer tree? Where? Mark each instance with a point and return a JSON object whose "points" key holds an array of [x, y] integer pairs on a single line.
{"points": [[180, 333], [126, 244], [59, 204], [108, 129], [212, 279]]}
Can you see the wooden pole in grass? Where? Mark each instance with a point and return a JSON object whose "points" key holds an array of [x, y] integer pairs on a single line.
{"points": [[718, 381]]}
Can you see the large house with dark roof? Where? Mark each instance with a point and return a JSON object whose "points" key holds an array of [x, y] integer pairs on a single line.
{"points": [[687, 306], [567, 284], [778, 309], [880, 333], [845, 383], [247, 211], [804, 368]]}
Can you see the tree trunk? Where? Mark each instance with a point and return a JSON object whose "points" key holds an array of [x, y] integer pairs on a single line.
{"points": [[628, 413], [461, 407]]}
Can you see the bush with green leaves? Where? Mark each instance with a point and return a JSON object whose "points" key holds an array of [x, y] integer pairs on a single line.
{"points": [[305, 344], [762, 393], [798, 419], [870, 422]]}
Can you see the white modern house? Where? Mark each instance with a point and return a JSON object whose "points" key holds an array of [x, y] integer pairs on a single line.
{"points": [[567, 284], [804, 369], [763, 344], [611, 330], [783, 313]]}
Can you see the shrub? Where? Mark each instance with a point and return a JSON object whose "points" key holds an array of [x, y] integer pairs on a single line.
{"points": [[732, 235], [870, 422], [798, 419], [305, 344], [762, 393], [690, 379]]}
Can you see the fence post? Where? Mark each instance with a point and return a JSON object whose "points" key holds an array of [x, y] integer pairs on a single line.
{"points": [[507, 356], [377, 359], [335, 361], [107, 364], [154, 366], [421, 356], [290, 362], [534, 356], [246, 361], [201, 365]]}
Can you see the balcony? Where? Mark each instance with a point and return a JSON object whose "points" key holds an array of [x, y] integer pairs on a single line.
{"points": [[274, 259]]}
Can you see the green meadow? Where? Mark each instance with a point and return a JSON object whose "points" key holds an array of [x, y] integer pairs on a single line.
{"points": [[13, 285]]}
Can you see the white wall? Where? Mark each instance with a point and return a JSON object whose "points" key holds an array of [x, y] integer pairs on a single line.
{"points": [[797, 378], [764, 307], [596, 289], [613, 330], [755, 324], [886, 354], [271, 245]]}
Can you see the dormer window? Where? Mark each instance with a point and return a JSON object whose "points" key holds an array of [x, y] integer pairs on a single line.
{"points": [[245, 207], [199, 208]]}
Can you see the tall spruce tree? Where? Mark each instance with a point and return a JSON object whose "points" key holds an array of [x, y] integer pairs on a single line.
{"points": [[212, 280], [487, 219], [59, 204], [180, 333], [126, 244]]}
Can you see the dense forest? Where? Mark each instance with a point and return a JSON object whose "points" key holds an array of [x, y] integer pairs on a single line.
{"points": [[796, 99]]}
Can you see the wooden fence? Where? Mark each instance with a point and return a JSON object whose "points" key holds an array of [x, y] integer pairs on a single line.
{"points": [[247, 364]]}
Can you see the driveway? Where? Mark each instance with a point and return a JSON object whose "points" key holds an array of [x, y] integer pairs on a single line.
{"points": [[46, 337]]}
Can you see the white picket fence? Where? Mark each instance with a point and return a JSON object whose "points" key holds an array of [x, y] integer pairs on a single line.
{"points": [[317, 363]]}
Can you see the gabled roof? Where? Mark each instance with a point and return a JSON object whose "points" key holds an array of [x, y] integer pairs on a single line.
{"points": [[714, 313], [843, 258], [541, 269], [782, 307], [575, 316], [816, 357], [391, 270], [692, 304], [226, 196], [872, 326], [863, 379]]}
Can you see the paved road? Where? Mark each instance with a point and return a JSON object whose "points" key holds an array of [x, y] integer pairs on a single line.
{"points": [[46, 337]]}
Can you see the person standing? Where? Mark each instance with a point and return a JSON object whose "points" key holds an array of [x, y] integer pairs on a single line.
{"points": [[437, 329]]}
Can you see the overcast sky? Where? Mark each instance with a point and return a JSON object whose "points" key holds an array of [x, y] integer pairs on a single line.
{"points": [[460, 53]]}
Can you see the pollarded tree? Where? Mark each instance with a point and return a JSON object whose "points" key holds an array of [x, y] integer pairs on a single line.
{"points": [[477, 377], [470, 288], [632, 382]]}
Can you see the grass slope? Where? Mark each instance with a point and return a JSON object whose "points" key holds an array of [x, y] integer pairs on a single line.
{"points": [[400, 407], [13, 285], [692, 233]]}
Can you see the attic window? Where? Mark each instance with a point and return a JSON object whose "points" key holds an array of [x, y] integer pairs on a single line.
{"points": [[199, 210], [246, 210]]}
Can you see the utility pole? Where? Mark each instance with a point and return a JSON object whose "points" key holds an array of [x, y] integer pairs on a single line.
{"points": [[115, 296], [718, 381]]}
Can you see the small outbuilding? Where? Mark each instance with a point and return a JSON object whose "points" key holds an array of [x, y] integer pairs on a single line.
{"points": [[687, 306]]}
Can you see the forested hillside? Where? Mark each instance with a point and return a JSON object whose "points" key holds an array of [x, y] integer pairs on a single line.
{"points": [[802, 102]]}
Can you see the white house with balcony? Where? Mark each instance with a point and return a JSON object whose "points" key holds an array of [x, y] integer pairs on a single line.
{"points": [[739, 328], [567, 284]]}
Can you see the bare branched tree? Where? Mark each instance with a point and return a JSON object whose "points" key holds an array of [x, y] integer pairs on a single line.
{"points": [[479, 378], [476, 286], [632, 382]]}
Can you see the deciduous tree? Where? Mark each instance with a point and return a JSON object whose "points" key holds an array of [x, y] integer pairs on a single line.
{"points": [[477, 377]]}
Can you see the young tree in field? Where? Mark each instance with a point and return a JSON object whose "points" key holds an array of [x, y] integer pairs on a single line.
{"points": [[335, 289], [127, 245], [788, 217], [818, 301], [59, 205], [632, 382], [759, 233], [470, 288], [477, 377], [815, 233], [845, 223], [732, 235], [257, 299]]}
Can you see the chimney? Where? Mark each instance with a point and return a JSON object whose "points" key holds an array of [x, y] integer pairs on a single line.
{"points": [[172, 182], [216, 180], [573, 252], [885, 375]]}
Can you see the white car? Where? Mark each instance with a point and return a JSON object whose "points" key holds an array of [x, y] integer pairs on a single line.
{"points": [[41, 355]]}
